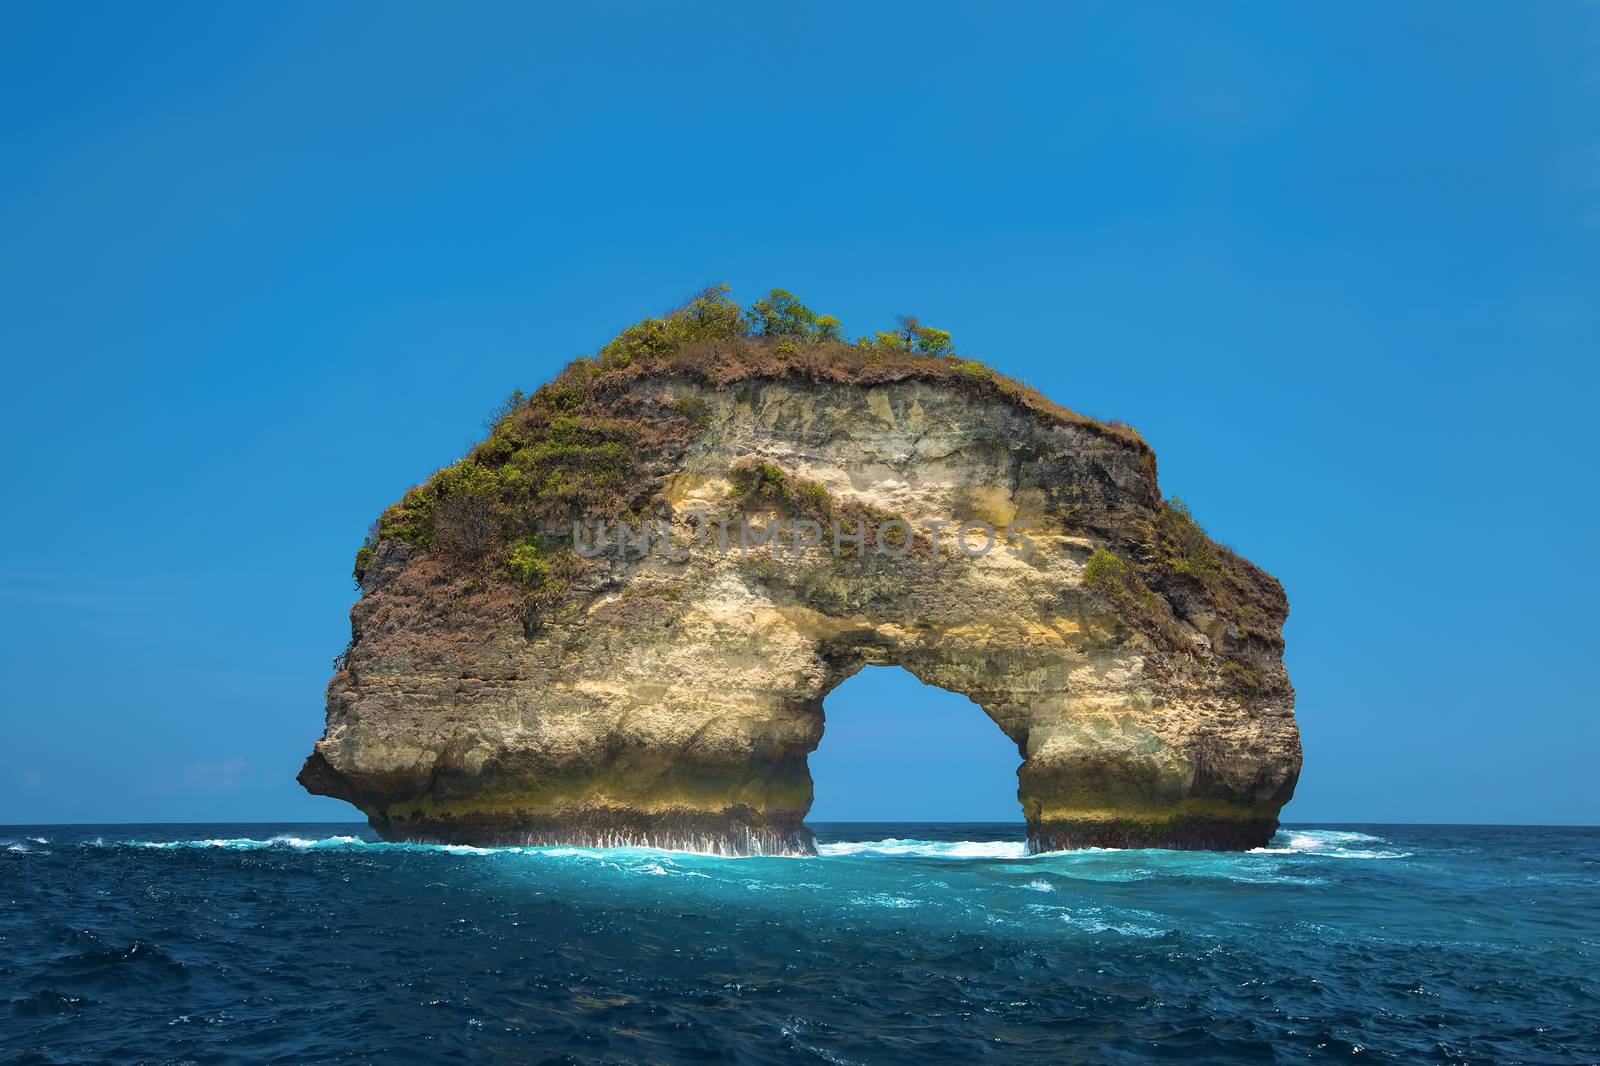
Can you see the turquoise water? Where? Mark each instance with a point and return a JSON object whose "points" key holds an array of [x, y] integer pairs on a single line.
{"points": [[899, 943]]}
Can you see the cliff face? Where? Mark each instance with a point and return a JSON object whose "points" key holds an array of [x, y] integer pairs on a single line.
{"points": [[502, 688]]}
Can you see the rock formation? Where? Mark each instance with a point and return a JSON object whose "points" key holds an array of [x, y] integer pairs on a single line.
{"points": [[502, 686]]}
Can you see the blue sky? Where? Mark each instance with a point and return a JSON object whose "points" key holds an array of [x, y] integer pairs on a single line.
{"points": [[264, 267]]}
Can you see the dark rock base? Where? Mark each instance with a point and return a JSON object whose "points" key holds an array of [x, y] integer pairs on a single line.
{"points": [[705, 834], [1178, 834]]}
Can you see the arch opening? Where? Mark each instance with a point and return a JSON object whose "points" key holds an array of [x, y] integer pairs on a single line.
{"points": [[896, 749]]}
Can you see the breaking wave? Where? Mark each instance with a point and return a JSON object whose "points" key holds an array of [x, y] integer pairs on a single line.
{"points": [[1330, 843], [931, 849]]}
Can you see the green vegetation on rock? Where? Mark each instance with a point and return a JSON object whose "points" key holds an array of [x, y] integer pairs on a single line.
{"points": [[759, 484], [1114, 578], [366, 553], [1188, 549]]}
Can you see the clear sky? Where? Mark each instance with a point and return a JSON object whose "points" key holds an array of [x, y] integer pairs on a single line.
{"points": [[262, 267]]}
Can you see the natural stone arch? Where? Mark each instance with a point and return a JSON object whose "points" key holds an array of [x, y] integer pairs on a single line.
{"points": [[672, 697]]}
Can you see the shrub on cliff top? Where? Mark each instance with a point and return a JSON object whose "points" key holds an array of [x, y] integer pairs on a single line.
{"points": [[781, 314], [710, 316], [924, 339]]}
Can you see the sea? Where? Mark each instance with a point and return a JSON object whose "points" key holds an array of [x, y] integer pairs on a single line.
{"points": [[898, 943]]}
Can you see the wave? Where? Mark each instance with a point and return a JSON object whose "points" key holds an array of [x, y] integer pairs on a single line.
{"points": [[1327, 843], [1310, 843], [231, 843], [22, 846], [929, 849], [954, 849]]}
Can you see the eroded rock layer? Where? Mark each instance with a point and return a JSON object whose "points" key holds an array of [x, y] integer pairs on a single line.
{"points": [[500, 688]]}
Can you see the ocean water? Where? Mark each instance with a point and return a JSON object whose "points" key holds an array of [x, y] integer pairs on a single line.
{"points": [[899, 943]]}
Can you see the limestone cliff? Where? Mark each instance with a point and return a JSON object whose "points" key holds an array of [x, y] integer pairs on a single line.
{"points": [[502, 687]]}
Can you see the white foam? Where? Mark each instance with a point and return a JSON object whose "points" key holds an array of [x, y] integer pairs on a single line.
{"points": [[1094, 920], [631, 860], [1327, 843], [883, 899], [236, 843], [930, 849], [1311, 837]]}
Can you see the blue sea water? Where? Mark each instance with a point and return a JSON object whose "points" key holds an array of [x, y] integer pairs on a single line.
{"points": [[899, 943]]}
